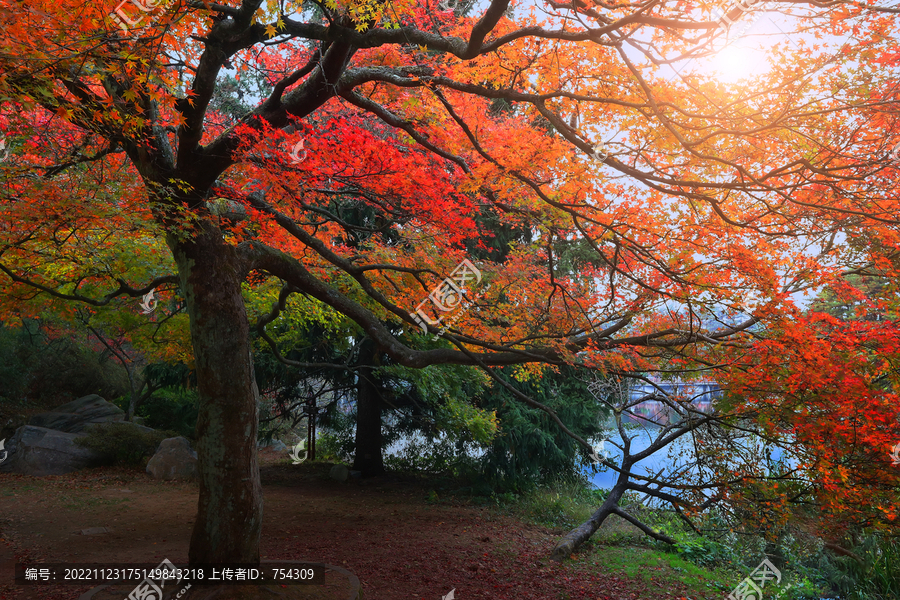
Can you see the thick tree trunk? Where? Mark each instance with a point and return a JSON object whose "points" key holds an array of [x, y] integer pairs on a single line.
{"points": [[368, 457], [575, 538], [229, 517]]}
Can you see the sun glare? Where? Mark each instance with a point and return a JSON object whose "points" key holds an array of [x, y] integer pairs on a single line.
{"points": [[737, 62], [744, 54]]}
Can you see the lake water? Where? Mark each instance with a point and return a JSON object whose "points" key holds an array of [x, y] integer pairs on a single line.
{"points": [[666, 459]]}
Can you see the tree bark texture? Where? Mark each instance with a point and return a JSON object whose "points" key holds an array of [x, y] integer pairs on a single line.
{"points": [[368, 457], [229, 516], [575, 538]]}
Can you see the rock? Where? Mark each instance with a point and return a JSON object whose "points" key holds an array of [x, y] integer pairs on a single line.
{"points": [[89, 426], [275, 445], [74, 416], [41, 451], [9, 428], [173, 460], [339, 473], [355, 474], [96, 531]]}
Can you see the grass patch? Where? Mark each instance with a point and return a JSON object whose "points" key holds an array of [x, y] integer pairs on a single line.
{"points": [[564, 505], [12, 487], [618, 546], [648, 564]]}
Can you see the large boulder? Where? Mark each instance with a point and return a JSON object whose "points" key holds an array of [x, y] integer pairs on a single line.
{"points": [[343, 473], [41, 451], [74, 417], [173, 460], [274, 446], [88, 427], [339, 473]]}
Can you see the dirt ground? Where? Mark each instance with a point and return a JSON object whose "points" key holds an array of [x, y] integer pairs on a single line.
{"points": [[400, 545]]}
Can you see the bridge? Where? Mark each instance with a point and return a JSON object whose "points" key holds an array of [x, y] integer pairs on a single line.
{"points": [[701, 394]]}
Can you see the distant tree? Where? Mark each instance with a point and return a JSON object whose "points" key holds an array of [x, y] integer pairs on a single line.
{"points": [[859, 298], [527, 449]]}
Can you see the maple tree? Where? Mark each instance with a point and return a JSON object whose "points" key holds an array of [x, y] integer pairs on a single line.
{"points": [[243, 136]]}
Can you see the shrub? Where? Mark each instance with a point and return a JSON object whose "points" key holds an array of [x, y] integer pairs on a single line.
{"points": [[54, 368], [564, 502], [876, 578], [703, 550], [13, 370], [706, 550], [438, 456], [172, 408], [124, 443], [330, 448], [530, 449]]}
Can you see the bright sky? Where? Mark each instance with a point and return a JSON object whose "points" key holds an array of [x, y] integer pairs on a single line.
{"points": [[742, 54]]}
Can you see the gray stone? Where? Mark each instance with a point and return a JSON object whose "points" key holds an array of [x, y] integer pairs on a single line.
{"points": [[41, 451], [339, 473], [95, 531], [276, 445], [355, 474], [74, 416], [89, 426], [173, 460]]}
